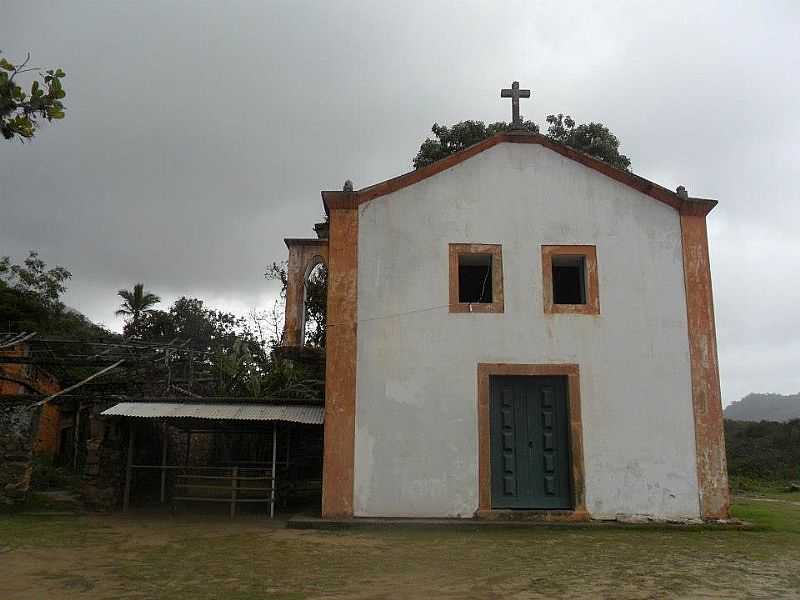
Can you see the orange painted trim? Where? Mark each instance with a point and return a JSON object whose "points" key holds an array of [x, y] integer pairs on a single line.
{"points": [[498, 299], [48, 431], [712, 469], [336, 199], [340, 365], [339, 200], [572, 373], [589, 253]]}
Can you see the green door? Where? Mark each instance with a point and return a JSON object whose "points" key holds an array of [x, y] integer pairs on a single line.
{"points": [[530, 443]]}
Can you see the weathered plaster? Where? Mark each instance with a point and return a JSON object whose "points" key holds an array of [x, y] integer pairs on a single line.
{"points": [[25, 379], [340, 365], [712, 472], [416, 419], [304, 255]]}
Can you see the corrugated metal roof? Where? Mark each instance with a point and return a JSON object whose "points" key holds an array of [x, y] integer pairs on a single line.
{"points": [[296, 413]]}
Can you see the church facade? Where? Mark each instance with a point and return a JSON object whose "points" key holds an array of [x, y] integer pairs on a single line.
{"points": [[517, 331]]}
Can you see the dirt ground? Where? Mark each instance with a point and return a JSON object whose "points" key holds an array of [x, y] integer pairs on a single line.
{"points": [[192, 557]]}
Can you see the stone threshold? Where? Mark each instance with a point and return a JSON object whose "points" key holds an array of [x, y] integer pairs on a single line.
{"points": [[307, 522]]}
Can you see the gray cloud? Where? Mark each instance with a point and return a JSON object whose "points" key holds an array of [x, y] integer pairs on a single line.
{"points": [[200, 134]]}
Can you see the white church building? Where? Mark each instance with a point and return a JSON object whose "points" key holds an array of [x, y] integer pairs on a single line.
{"points": [[518, 330]]}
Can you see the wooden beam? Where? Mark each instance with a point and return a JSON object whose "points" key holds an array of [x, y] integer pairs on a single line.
{"points": [[128, 471], [164, 435]]}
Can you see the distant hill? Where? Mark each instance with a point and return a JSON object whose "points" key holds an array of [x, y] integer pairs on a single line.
{"points": [[764, 407]]}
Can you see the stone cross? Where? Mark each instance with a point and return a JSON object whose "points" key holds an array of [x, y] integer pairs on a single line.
{"points": [[515, 94]]}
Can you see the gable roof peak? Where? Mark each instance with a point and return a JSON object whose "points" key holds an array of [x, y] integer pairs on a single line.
{"points": [[679, 200]]}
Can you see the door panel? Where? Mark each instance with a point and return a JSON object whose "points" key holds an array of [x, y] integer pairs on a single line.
{"points": [[530, 443]]}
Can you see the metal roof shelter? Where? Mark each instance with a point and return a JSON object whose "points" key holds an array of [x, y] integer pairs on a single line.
{"points": [[237, 480], [293, 413]]}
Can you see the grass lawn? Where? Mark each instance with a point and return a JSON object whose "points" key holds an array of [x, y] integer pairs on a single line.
{"points": [[199, 558]]}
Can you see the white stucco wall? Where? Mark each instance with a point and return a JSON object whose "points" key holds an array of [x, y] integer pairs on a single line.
{"points": [[416, 416]]}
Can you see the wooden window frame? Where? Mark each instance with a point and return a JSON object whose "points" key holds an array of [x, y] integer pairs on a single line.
{"points": [[589, 254], [498, 303]]}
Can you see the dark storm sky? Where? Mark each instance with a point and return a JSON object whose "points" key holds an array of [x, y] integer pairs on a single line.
{"points": [[198, 135]]}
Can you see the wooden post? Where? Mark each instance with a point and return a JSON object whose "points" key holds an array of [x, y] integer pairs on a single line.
{"points": [[76, 438], [274, 473], [288, 443], [234, 483], [128, 469], [167, 357], [164, 431], [188, 447], [191, 369]]}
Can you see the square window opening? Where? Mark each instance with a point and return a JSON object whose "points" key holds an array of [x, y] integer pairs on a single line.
{"points": [[569, 279], [475, 278]]}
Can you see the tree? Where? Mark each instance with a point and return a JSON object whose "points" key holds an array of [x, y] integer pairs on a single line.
{"points": [[316, 307], [20, 111], [316, 300], [30, 300], [32, 278], [135, 304], [188, 318], [459, 136], [238, 357], [592, 138]]}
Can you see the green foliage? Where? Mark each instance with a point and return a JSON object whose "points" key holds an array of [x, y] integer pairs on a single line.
{"points": [[316, 307], [20, 111], [188, 318], [594, 139], [32, 277], [764, 451], [30, 300], [316, 304], [239, 369], [136, 303], [780, 516], [461, 135]]}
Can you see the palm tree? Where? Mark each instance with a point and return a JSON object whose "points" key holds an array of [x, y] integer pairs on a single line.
{"points": [[136, 303]]}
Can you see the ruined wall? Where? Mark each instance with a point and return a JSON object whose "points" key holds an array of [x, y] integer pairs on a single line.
{"points": [[17, 430], [20, 379], [416, 409], [104, 472]]}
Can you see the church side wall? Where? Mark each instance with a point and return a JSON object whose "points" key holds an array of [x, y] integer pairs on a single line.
{"points": [[416, 442]]}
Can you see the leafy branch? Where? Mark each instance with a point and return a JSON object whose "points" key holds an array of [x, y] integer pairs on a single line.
{"points": [[20, 111]]}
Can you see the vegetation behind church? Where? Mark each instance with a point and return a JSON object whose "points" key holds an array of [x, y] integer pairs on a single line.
{"points": [[762, 452], [240, 348], [594, 139]]}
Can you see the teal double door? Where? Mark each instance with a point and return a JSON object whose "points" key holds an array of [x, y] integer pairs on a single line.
{"points": [[530, 443]]}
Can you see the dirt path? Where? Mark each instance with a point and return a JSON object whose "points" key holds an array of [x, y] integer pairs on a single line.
{"points": [[789, 502], [109, 557]]}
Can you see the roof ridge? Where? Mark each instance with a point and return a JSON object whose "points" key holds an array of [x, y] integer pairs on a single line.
{"points": [[342, 199]]}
